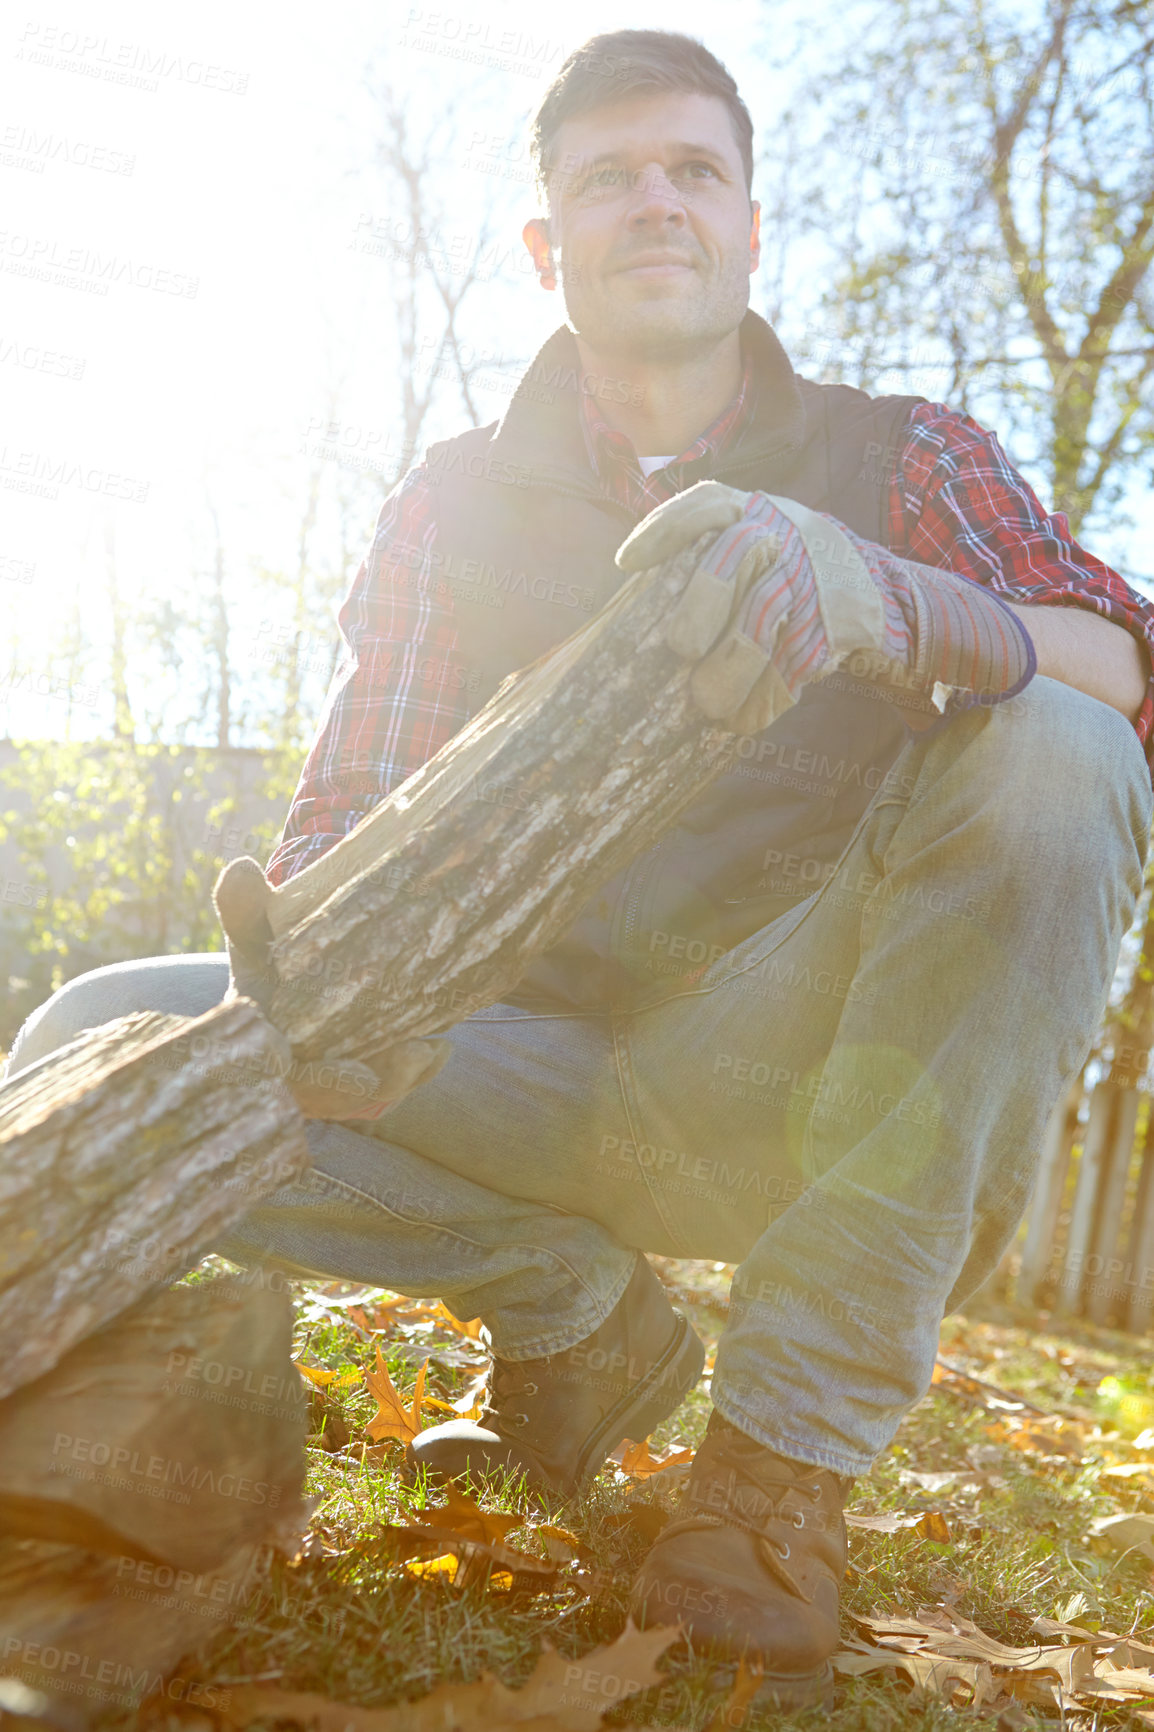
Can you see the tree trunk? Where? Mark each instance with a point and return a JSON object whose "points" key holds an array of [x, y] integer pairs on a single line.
{"points": [[434, 905], [122, 1158]]}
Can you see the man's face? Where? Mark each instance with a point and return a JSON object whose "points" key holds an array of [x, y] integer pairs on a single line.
{"points": [[650, 228]]}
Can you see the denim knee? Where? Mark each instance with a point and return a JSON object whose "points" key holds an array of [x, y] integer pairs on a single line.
{"points": [[180, 985], [1059, 770]]}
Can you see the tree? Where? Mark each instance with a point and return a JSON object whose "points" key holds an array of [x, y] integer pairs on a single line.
{"points": [[434, 265], [974, 195]]}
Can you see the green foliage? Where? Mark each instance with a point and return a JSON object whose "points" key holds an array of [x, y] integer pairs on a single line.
{"points": [[967, 192], [121, 843]]}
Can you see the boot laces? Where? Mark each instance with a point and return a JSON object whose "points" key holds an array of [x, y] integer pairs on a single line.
{"points": [[507, 1383]]}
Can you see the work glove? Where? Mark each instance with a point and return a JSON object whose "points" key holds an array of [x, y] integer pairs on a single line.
{"points": [[330, 1087], [782, 595]]}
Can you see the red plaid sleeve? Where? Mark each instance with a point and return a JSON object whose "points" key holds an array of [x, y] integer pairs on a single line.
{"points": [[395, 698], [957, 501]]}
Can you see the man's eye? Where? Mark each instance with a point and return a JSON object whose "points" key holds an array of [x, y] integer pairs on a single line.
{"points": [[704, 167], [605, 177]]}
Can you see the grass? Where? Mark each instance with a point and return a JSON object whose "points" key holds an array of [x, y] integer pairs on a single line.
{"points": [[344, 1621]]}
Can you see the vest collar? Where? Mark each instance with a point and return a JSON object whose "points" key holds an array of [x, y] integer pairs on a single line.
{"points": [[541, 429]]}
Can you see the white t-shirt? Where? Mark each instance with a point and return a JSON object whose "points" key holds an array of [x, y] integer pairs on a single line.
{"points": [[649, 464]]}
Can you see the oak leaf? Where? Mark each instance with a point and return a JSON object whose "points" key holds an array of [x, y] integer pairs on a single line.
{"points": [[465, 1517], [393, 1418], [635, 1459], [560, 1695]]}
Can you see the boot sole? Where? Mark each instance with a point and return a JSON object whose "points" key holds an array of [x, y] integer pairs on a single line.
{"points": [[792, 1690], [650, 1402]]}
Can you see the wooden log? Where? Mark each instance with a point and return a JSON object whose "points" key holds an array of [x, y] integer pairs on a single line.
{"points": [[91, 1634], [122, 1158], [175, 1434], [434, 904]]}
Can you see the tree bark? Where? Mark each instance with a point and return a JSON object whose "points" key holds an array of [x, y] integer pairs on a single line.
{"points": [[122, 1158], [434, 905], [174, 1435], [89, 1634]]}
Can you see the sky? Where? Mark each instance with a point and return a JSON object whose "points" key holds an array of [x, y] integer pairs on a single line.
{"points": [[189, 209]]}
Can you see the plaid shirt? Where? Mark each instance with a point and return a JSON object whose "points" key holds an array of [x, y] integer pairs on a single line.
{"points": [[956, 501]]}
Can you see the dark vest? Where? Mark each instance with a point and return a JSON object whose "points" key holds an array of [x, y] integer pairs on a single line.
{"points": [[525, 538]]}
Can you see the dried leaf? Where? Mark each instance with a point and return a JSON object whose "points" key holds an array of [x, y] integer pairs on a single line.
{"points": [[560, 1537], [945, 1638], [1123, 1533], [1046, 1434], [934, 1674], [471, 1329], [479, 1562], [468, 1519], [933, 1526], [560, 1696], [635, 1459], [444, 1564], [745, 1688], [930, 1524], [891, 1522], [643, 1519], [316, 1374], [393, 1418]]}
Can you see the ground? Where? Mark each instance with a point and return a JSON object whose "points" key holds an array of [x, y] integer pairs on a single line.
{"points": [[1036, 1429]]}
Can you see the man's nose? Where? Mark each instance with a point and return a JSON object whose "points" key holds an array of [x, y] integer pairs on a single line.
{"points": [[655, 199]]}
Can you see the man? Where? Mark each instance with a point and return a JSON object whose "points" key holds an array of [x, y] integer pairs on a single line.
{"points": [[818, 1030]]}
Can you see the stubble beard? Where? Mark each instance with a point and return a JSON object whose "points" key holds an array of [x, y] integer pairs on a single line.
{"points": [[673, 329]]}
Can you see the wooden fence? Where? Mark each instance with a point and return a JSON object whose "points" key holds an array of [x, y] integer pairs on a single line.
{"points": [[1089, 1244]]}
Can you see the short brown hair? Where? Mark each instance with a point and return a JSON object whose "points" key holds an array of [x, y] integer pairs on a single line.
{"points": [[623, 63]]}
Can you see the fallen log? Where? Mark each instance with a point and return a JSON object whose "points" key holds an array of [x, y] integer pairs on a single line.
{"points": [[90, 1634], [122, 1158], [173, 1435], [433, 906]]}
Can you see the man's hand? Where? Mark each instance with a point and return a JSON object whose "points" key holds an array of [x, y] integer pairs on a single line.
{"points": [[782, 596], [359, 1092]]}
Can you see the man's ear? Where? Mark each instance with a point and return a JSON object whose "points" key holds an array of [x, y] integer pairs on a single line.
{"points": [[755, 238], [535, 235]]}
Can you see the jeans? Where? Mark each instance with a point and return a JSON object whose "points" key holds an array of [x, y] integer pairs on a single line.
{"points": [[849, 1105]]}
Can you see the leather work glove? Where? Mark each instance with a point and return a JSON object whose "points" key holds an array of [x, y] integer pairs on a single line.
{"points": [[783, 595], [352, 1090]]}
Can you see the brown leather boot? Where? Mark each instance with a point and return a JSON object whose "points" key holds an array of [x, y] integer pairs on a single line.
{"points": [[555, 1420], [752, 1563]]}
